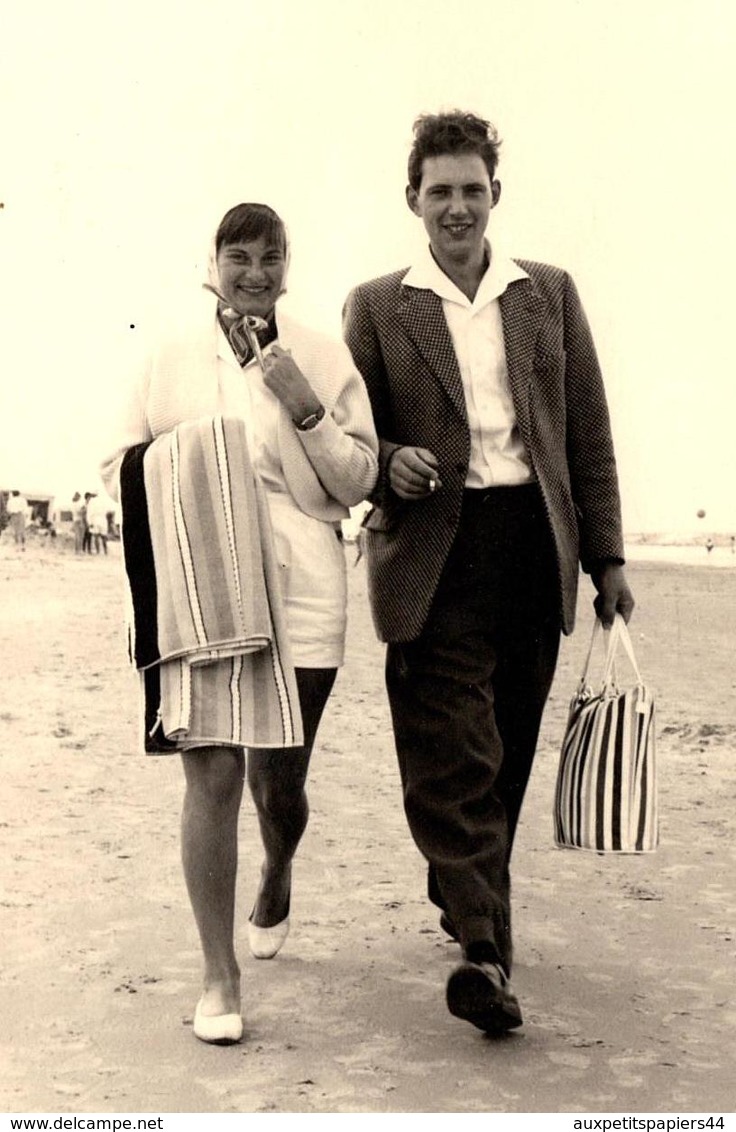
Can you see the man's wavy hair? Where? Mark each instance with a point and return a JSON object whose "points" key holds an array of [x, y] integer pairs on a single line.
{"points": [[449, 133]]}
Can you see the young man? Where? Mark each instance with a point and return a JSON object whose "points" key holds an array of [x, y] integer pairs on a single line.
{"points": [[497, 479]]}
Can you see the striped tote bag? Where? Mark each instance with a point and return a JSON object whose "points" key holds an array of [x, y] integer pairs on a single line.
{"points": [[606, 791]]}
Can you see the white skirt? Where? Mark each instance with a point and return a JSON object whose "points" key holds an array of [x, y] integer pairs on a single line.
{"points": [[313, 583]]}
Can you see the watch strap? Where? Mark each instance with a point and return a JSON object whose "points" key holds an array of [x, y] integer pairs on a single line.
{"points": [[311, 421]]}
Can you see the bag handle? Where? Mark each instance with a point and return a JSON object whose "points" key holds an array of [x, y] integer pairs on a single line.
{"points": [[625, 639], [617, 634]]}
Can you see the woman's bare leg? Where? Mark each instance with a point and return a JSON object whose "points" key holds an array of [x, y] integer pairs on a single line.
{"points": [[209, 848], [277, 779]]}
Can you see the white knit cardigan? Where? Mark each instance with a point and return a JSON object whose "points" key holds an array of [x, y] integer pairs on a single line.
{"points": [[328, 469]]}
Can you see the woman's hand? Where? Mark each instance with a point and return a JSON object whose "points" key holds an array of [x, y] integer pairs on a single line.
{"points": [[284, 378]]}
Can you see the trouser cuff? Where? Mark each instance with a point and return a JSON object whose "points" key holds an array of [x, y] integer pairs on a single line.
{"points": [[479, 942]]}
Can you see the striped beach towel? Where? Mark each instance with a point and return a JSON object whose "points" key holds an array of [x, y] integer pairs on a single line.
{"points": [[207, 628], [606, 790]]}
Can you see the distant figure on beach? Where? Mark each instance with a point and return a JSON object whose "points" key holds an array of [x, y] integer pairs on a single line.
{"points": [[497, 480], [87, 535], [733, 544], [17, 508], [79, 522], [709, 544], [311, 454], [97, 523]]}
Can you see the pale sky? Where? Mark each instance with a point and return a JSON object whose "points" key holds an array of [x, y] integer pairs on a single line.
{"points": [[130, 128]]}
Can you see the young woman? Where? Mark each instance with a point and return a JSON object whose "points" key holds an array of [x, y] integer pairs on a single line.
{"points": [[313, 448]]}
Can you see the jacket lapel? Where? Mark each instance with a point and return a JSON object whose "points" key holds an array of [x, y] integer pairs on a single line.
{"points": [[423, 319], [522, 313]]}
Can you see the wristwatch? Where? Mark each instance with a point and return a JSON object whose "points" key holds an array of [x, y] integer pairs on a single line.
{"points": [[311, 421]]}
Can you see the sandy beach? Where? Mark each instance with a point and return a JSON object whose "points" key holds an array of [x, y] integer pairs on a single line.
{"points": [[625, 965]]}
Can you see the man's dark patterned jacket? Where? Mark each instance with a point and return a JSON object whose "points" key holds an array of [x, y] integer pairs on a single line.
{"points": [[401, 344]]}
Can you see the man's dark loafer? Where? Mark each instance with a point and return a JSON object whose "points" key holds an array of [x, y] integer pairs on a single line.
{"points": [[447, 926], [480, 993]]}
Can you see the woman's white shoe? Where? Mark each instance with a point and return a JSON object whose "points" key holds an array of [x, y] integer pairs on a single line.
{"points": [[218, 1029], [264, 943]]}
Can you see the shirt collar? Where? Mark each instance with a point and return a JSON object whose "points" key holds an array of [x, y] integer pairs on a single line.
{"points": [[427, 275]]}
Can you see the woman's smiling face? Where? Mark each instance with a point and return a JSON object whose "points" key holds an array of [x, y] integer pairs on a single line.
{"points": [[252, 275]]}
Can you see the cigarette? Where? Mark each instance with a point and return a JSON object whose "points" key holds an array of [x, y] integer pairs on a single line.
{"points": [[432, 485]]}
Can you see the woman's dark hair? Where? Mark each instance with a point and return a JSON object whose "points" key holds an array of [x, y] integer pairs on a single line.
{"points": [[453, 132], [246, 222]]}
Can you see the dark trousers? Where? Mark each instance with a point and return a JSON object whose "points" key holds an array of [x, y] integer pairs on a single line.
{"points": [[467, 698]]}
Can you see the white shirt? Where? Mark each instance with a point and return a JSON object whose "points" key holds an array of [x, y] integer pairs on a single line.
{"points": [[16, 505], [497, 453]]}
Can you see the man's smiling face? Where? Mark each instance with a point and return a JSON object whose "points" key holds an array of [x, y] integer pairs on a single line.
{"points": [[454, 200]]}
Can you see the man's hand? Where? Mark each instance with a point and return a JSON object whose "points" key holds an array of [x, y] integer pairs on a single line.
{"points": [[412, 473], [614, 595], [284, 378]]}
